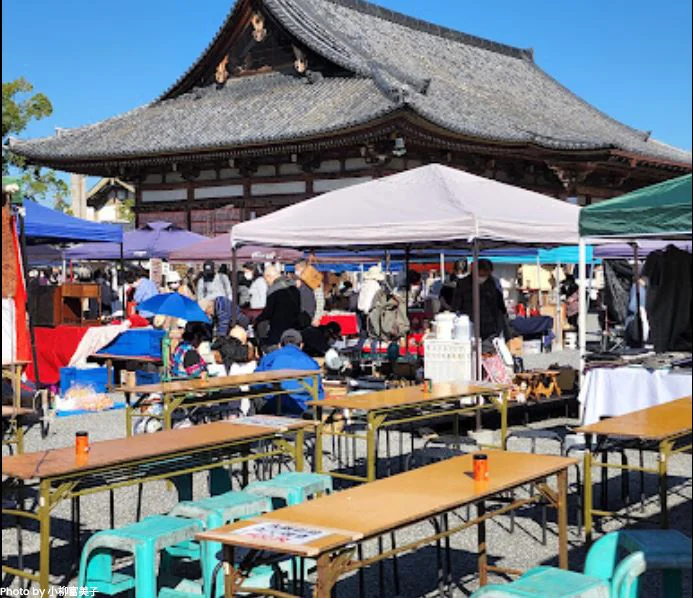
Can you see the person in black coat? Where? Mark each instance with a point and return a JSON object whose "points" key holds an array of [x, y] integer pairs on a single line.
{"points": [[283, 309]]}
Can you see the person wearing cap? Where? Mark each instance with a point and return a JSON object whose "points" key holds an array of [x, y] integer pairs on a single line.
{"points": [[213, 284], [174, 284], [290, 356]]}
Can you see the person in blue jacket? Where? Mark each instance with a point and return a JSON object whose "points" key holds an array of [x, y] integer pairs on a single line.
{"points": [[290, 357]]}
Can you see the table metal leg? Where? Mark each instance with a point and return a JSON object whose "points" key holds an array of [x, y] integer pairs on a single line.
{"points": [[128, 414], [563, 519], [298, 455], [481, 544], [44, 513], [318, 440], [588, 488], [504, 421], [371, 436], [664, 452]]}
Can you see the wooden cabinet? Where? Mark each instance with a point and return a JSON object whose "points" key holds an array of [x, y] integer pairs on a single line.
{"points": [[74, 302]]}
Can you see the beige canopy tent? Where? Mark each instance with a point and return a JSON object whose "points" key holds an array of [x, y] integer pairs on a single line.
{"points": [[430, 206]]}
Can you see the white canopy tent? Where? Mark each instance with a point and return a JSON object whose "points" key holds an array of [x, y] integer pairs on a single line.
{"points": [[433, 205], [430, 205]]}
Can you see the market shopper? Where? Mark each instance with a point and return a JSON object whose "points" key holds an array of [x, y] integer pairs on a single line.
{"points": [[144, 289], [186, 361], [213, 284], [290, 357], [491, 304], [258, 291], [282, 310]]}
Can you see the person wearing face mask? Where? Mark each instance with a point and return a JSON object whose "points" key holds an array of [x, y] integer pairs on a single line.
{"points": [[174, 284], [491, 303], [213, 284]]}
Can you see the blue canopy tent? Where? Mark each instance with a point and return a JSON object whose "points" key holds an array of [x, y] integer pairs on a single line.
{"points": [[39, 225], [43, 225]]}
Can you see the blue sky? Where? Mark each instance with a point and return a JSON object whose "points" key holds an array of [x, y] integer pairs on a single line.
{"points": [[96, 59]]}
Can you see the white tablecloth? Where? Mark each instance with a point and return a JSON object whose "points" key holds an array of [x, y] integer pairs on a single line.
{"points": [[609, 392]]}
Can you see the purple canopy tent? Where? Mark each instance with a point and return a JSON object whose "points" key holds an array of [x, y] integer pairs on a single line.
{"points": [[153, 240], [612, 251], [219, 249]]}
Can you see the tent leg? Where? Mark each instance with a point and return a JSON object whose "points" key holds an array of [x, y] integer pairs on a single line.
{"points": [[407, 256], [234, 287], [122, 279], [582, 317], [476, 308], [639, 330]]}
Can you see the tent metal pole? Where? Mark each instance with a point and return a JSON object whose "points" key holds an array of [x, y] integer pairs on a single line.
{"points": [[407, 256], [442, 267], [639, 329], [122, 278], [559, 307], [234, 287], [540, 301], [476, 308], [25, 268], [582, 316]]}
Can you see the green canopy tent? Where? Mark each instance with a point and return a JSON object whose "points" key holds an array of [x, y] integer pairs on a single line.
{"points": [[662, 211]]}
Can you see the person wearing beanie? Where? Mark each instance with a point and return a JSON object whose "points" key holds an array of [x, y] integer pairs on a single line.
{"points": [[213, 284]]}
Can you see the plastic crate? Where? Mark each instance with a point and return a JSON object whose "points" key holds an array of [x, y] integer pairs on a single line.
{"points": [[145, 342], [448, 360], [96, 378], [142, 377]]}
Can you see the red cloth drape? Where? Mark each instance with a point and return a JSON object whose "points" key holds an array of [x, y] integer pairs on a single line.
{"points": [[21, 322], [348, 323], [54, 349]]}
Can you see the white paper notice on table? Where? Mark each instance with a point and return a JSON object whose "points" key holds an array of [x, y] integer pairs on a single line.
{"points": [[281, 533]]}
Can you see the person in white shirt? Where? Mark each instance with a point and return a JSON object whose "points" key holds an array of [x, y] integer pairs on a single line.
{"points": [[258, 292], [372, 280]]}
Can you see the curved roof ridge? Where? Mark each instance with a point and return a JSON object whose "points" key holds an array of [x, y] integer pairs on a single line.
{"points": [[369, 8], [645, 136]]}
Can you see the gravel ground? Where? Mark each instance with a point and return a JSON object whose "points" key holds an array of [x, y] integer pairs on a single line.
{"points": [[522, 549]]}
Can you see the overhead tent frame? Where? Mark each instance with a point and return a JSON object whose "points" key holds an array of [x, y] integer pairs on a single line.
{"points": [[658, 212], [433, 206]]}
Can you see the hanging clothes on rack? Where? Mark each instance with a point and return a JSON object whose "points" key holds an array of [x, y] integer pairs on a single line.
{"points": [[669, 296]]}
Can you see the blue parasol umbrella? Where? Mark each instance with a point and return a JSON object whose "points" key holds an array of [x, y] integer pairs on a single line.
{"points": [[176, 306]]}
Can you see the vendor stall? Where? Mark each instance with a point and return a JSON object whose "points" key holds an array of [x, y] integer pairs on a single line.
{"points": [[658, 213]]}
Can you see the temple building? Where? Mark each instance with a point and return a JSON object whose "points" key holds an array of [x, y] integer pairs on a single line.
{"points": [[293, 98]]}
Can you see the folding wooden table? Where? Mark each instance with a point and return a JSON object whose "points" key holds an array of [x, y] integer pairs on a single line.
{"points": [[667, 425], [388, 408], [196, 392], [112, 464], [343, 520]]}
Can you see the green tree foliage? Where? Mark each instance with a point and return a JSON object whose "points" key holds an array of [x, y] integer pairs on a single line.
{"points": [[19, 108]]}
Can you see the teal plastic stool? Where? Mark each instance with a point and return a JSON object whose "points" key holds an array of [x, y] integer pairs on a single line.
{"points": [[665, 550], [144, 540], [547, 582], [292, 487], [213, 512]]}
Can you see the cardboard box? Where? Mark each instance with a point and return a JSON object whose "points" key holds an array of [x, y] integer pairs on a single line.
{"points": [[515, 346]]}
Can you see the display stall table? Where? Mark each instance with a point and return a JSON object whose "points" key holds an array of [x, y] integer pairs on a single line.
{"points": [[328, 528], [197, 392], [111, 464], [347, 321], [399, 406], [608, 392], [540, 383], [109, 359], [668, 426]]}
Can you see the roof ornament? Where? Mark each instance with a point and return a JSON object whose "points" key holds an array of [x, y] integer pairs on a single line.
{"points": [[259, 30], [301, 62], [222, 72]]}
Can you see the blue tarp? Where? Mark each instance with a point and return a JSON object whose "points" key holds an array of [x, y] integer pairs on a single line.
{"points": [[44, 225]]}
